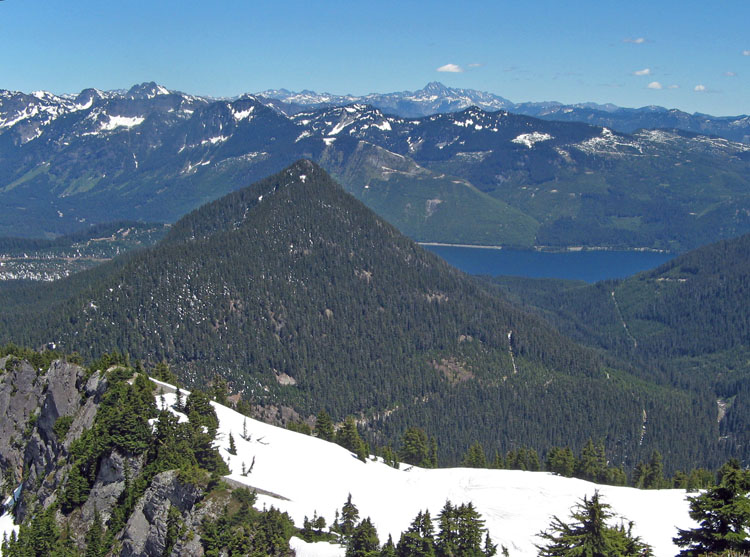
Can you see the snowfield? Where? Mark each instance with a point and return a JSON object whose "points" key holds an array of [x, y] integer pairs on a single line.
{"points": [[309, 475], [303, 475]]}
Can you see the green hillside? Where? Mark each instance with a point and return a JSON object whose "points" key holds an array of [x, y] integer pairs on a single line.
{"points": [[303, 298]]}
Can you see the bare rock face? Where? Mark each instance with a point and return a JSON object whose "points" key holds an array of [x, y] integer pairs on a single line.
{"points": [[20, 396], [114, 471], [60, 397], [146, 530], [34, 400]]}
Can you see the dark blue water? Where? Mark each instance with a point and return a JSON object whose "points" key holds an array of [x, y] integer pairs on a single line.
{"points": [[590, 266]]}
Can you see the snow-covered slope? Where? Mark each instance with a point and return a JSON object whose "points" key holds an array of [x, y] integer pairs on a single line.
{"points": [[309, 475]]}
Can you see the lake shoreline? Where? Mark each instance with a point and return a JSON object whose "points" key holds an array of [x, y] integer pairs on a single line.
{"points": [[589, 265], [547, 249]]}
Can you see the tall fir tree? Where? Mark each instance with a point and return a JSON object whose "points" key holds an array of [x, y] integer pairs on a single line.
{"points": [[364, 540], [475, 457], [415, 448], [388, 549], [419, 539], [723, 515], [589, 534], [324, 426], [348, 437], [349, 517], [95, 538]]}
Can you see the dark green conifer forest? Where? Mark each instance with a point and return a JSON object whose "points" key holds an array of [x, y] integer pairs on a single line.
{"points": [[301, 297]]}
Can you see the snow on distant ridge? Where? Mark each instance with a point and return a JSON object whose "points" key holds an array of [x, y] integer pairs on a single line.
{"points": [[529, 139], [310, 475], [121, 122]]}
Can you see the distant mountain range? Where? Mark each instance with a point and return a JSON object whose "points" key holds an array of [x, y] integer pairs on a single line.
{"points": [[473, 176], [436, 98]]}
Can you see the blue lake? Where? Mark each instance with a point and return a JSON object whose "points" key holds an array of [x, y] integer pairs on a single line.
{"points": [[590, 266]]}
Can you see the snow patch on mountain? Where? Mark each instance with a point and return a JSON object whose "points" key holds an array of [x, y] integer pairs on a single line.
{"points": [[115, 122], [214, 140], [529, 139], [609, 143], [242, 114]]}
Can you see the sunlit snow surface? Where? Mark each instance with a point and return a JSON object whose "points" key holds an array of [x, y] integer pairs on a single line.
{"points": [[311, 476], [6, 527]]}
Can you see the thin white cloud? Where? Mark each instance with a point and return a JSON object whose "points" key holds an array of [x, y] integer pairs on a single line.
{"points": [[655, 85], [451, 68], [475, 65], [700, 88], [730, 74], [634, 40], [746, 52], [644, 71], [674, 86]]}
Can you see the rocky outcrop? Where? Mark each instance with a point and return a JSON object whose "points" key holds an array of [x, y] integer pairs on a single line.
{"points": [[35, 399], [146, 530], [115, 471], [20, 395], [33, 440]]}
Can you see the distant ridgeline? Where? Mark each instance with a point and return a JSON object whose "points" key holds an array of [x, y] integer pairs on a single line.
{"points": [[23, 259], [304, 299], [476, 176]]}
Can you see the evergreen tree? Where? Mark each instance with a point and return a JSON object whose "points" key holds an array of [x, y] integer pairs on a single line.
{"points": [[490, 549], [470, 528], [318, 522], [433, 452], [390, 457], [219, 389], [388, 549], [179, 404], [364, 540], [415, 448], [589, 534], [324, 426], [232, 450], [94, 538], [498, 462], [723, 514], [592, 464], [76, 489], [447, 538], [654, 477], [348, 437], [349, 517], [419, 539], [200, 412], [561, 461], [475, 457], [640, 473], [162, 372]]}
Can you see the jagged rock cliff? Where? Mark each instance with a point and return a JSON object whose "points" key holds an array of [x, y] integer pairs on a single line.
{"points": [[101, 468]]}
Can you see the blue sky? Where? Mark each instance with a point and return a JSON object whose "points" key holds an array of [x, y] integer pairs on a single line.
{"points": [[690, 55]]}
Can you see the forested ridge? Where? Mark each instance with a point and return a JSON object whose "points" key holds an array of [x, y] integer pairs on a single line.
{"points": [[685, 322], [302, 297]]}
